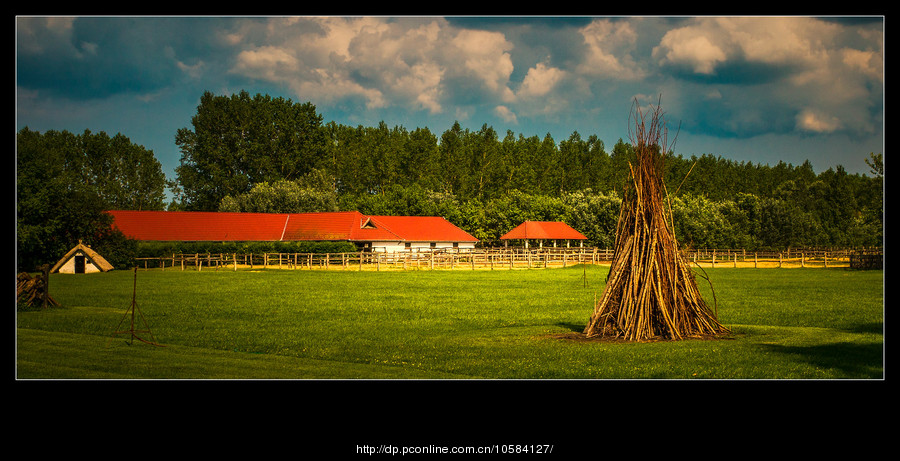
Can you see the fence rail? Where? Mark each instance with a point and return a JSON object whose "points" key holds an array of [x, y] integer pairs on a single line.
{"points": [[496, 259]]}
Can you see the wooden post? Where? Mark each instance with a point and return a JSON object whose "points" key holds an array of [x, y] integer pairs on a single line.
{"points": [[45, 295], [755, 260]]}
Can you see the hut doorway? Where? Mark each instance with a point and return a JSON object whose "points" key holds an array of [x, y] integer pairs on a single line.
{"points": [[79, 264]]}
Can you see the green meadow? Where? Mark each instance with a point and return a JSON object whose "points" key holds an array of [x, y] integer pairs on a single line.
{"points": [[786, 324]]}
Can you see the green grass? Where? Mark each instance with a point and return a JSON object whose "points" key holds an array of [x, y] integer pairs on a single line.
{"points": [[300, 324]]}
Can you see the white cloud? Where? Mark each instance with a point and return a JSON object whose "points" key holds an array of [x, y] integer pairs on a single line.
{"points": [[485, 57], [506, 114], [706, 43], [812, 120], [540, 80], [609, 47], [686, 47]]}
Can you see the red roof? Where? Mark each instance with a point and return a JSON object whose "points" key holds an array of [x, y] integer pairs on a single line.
{"points": [[338, 226], [188, 226], [543, 230], [423, 228]]}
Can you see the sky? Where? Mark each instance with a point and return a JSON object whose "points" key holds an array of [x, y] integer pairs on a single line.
{"points": [[758, 89]]}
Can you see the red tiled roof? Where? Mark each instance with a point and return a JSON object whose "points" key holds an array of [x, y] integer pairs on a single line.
{"points": [[189, 226], [543, 230], [347, 225], [337, 226], [423, 228]]}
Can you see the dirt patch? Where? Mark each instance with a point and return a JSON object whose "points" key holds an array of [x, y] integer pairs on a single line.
{"points": [[582, 338]]}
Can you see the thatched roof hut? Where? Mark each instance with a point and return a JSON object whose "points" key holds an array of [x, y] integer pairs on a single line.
{"points": [[81, 260]]}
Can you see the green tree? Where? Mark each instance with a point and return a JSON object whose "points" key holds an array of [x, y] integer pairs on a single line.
{"points": [[282, 196], [595, 215], [452, 159], [238, 141], [66, 182]]}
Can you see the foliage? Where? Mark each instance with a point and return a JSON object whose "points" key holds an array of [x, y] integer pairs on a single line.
{"points": [[282, 196], [237, 142], [65, 182]]}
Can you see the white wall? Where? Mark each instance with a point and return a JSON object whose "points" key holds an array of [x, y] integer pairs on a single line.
{"points": [[69, 266], [396, 247]]}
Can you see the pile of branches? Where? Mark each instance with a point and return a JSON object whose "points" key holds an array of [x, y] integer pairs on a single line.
{"points": [[650, 291], [33, 291]]}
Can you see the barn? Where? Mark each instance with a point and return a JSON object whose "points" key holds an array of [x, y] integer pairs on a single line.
{"points": [[374, 233], [544, 230], [81, 259]]}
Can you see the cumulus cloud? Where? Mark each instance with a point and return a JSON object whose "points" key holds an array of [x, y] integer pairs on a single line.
{"points": [[706, 45], [505, 114], [812, 120], [485, 57], [609, 45], [411, 63], [540, 80], [764, 69]]}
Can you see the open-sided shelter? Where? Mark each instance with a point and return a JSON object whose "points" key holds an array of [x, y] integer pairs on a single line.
{"points": [[376, 233], [81, 259], [543, 230]]}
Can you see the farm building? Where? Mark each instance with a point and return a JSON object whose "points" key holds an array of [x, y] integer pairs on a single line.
{"points": [[375, 233], [81, 259], [543, 230]]}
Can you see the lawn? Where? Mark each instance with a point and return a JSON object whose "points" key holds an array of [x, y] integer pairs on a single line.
{"points": [[797, 324]]}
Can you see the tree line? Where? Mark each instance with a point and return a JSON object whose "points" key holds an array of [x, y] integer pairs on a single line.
{"points": [[266, 154]]}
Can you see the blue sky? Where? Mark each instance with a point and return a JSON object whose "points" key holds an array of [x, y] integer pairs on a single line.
{"points": [[752, 89]]}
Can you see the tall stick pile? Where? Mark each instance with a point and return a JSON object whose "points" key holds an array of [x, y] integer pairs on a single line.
{"points": [[650, 291]]}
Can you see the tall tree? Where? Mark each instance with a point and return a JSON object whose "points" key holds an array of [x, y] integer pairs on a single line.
{"points": [[66, 182], [452, 159], [239, 141]]}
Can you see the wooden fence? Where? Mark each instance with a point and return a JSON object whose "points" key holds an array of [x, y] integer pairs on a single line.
{"points": [[492, 259], [422, 260]]}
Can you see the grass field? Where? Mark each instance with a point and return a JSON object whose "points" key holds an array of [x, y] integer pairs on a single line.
{"points": [[805, 324]]}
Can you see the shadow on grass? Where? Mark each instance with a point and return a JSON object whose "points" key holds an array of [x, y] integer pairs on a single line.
{"points": [[575, 327], [853, 360], [872, 327]]}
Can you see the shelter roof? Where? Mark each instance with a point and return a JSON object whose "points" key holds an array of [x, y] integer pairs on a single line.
{"points": [[333, 226], [98, 260], [543, 230]]}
